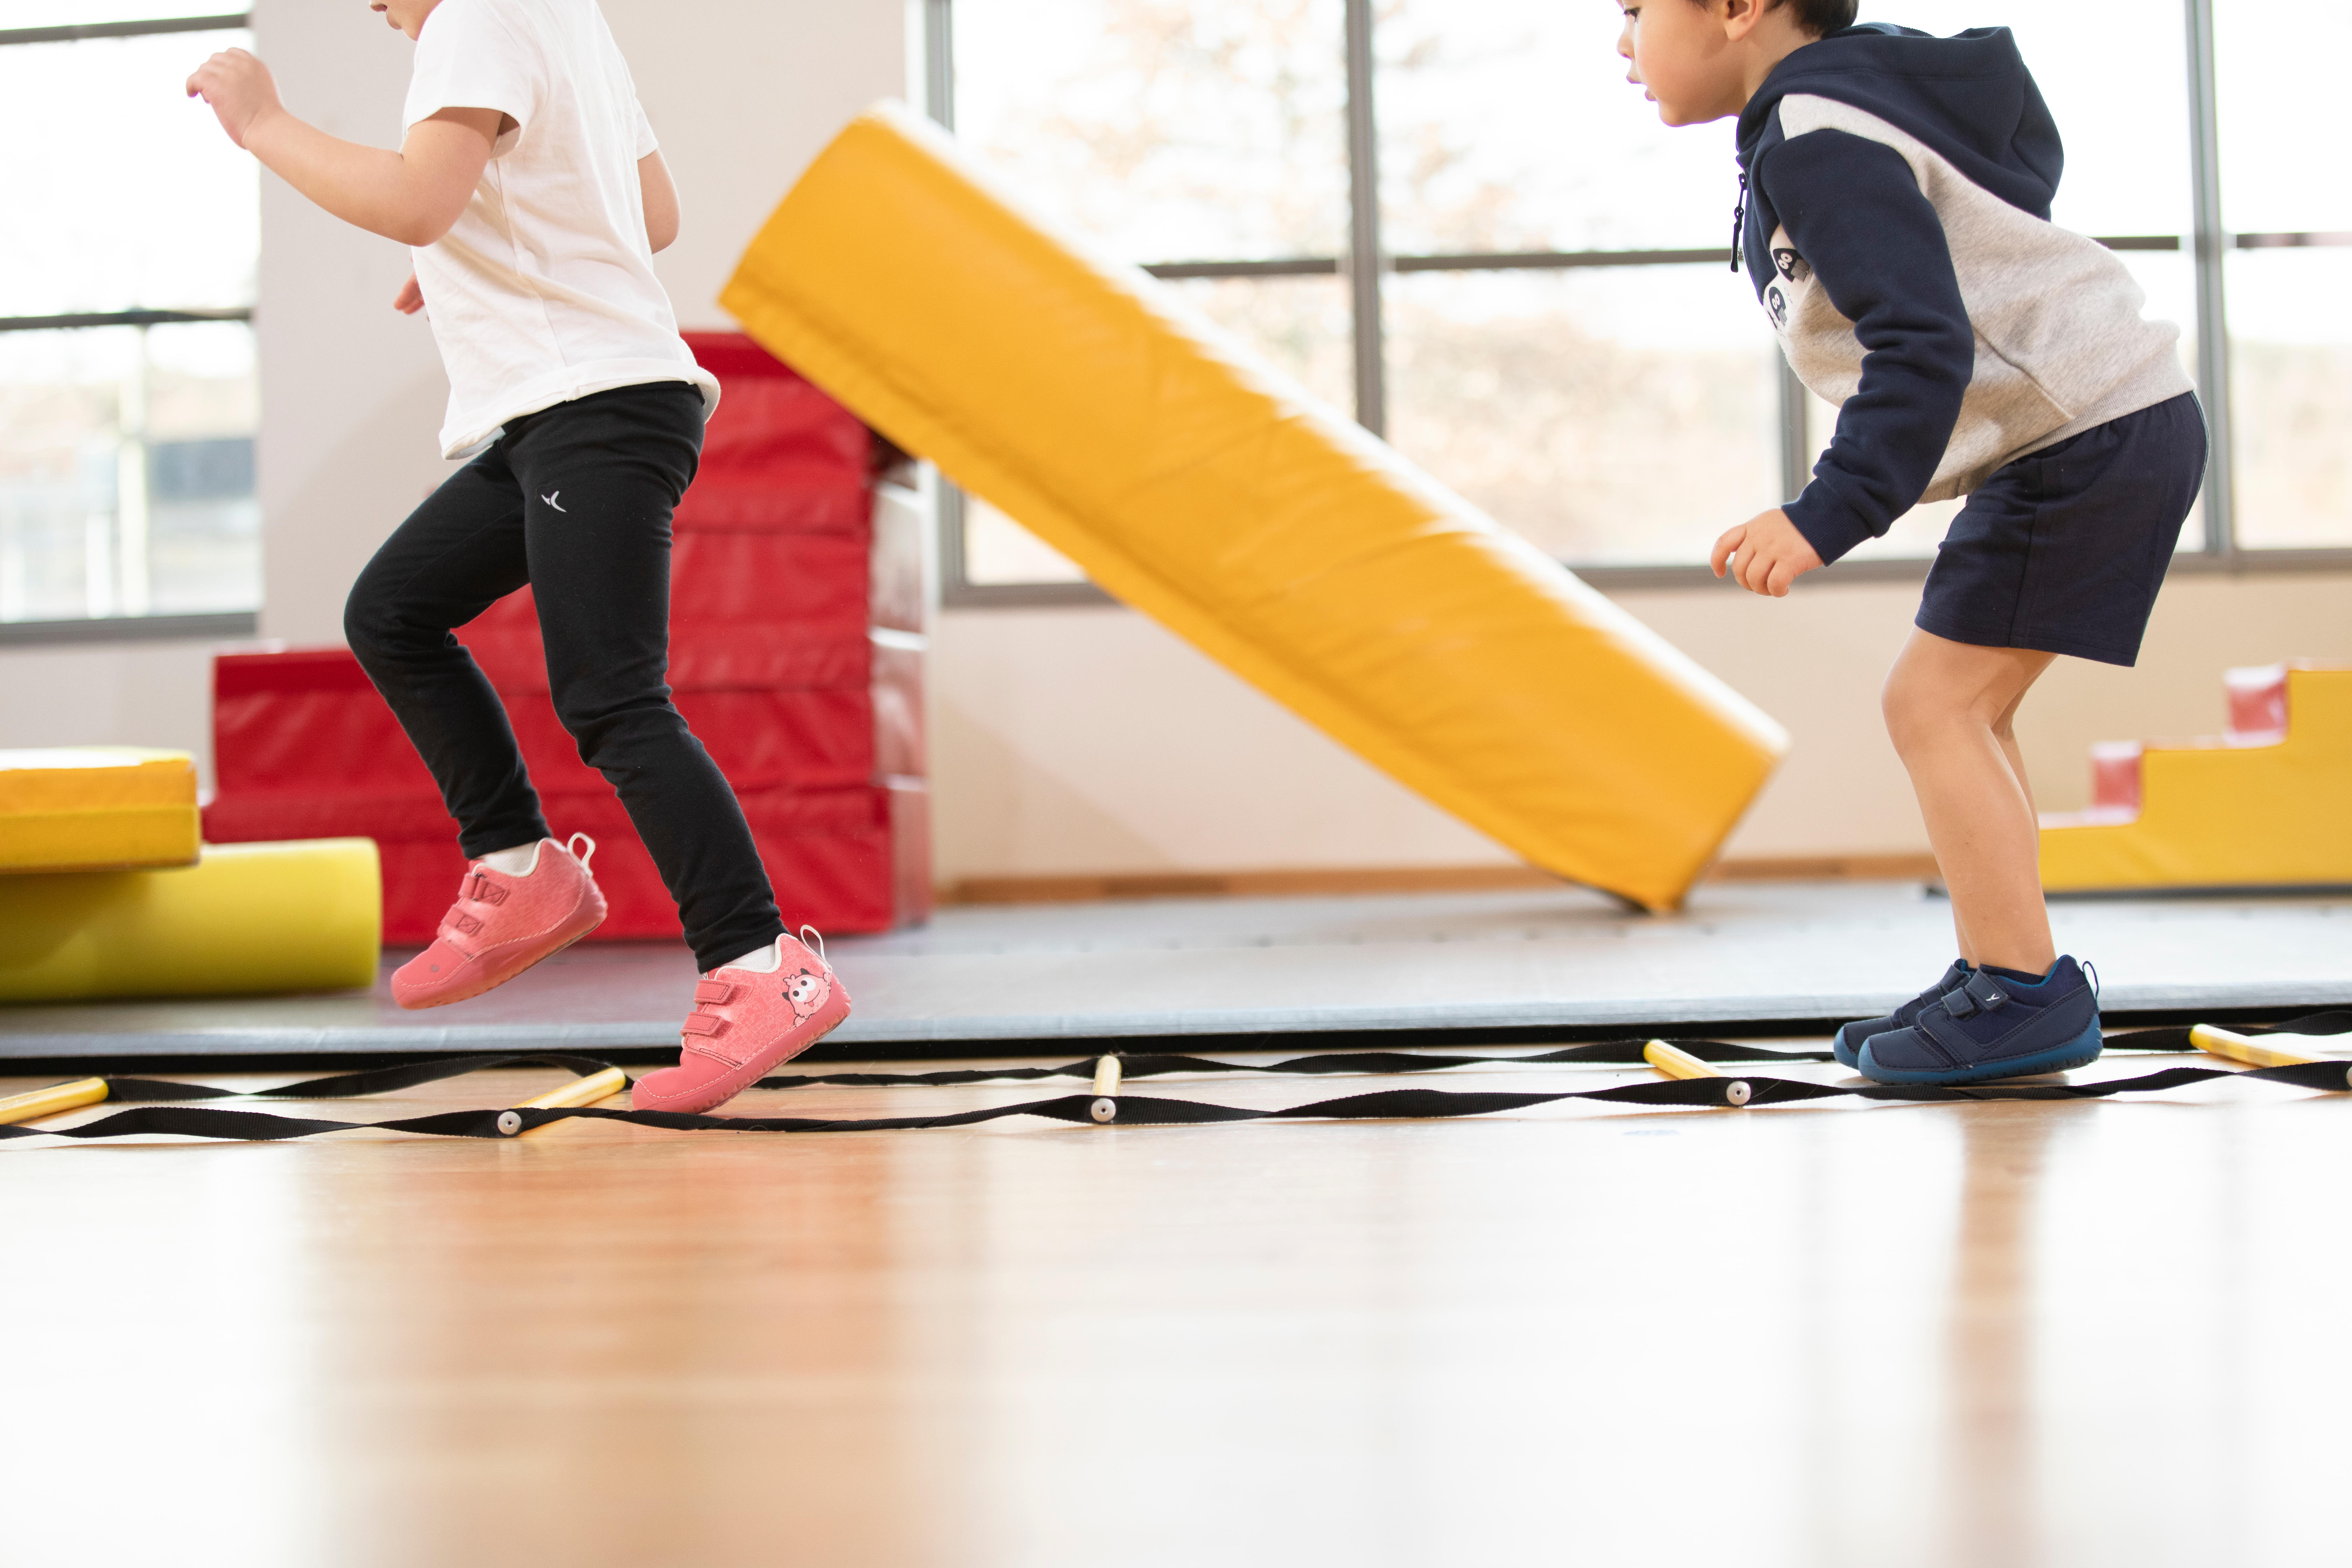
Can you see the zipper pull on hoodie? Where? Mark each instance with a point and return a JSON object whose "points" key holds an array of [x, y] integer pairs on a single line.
{"points": [[1739, 221]]}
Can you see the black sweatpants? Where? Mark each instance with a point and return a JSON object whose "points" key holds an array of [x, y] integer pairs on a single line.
{"points": [[576, 502]]}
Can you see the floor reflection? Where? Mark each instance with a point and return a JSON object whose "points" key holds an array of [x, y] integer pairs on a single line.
{"points": [[1992, 1502]]}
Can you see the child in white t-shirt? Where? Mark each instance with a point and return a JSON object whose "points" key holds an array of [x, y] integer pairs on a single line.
{"points": [[532, 193]]}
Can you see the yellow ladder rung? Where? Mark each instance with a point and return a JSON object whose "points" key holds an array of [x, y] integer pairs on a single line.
{"points": [[589, 1091], [1676, 1062], [52, 1101], [2232, 1047]]}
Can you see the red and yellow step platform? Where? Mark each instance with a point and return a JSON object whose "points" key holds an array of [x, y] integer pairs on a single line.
{"points": [[2268, 803]]}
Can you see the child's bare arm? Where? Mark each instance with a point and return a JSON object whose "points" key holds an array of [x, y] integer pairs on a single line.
{"points": [[1766, 553], [660, 200], [413, 196]]}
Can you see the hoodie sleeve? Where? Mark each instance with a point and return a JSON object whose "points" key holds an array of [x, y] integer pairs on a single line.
{"points": [[1855, 213]]}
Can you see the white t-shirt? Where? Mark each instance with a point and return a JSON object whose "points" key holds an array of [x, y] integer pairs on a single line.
{"points": [[544, 292]]}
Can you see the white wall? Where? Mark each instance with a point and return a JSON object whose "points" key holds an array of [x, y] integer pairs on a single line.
{"points": [[1073, 741], [121, 694], [743, 94]]}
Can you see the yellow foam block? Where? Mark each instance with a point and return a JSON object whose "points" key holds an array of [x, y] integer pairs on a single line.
{"points": [[1203, 486], [88, 808], [2214, 816], [245, 920]]}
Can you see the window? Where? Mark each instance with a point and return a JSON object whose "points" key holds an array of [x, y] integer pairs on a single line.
{"points": [[1539, 307], [2287, 275], [127, 394]]}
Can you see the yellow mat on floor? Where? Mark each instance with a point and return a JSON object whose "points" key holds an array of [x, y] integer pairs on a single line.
{"points": [[247, 920], [2230, 817], [91, 807], [1203, 486]]}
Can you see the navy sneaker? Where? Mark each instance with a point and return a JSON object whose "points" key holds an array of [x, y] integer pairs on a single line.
{"points": [[1993, 1026], [1847, 1047]]}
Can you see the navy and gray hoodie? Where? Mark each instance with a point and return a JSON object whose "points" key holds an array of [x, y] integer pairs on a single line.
{"points": [[1899, 237]]}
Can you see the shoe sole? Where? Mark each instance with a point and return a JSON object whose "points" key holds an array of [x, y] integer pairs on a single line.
{"points": [[2081, 1051], [752, 1071], [1847, 1055], [501, 980]]}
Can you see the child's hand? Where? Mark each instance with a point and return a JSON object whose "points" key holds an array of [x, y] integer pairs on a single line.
{"points": [[240, 89], [1765, 554], [411, 298]]}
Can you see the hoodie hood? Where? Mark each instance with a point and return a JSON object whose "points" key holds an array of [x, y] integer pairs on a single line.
{"points": [[1969, 97]]}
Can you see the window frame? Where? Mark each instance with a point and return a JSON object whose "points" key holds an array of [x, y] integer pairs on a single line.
{"points": [[1367, 266], [140, 627]]}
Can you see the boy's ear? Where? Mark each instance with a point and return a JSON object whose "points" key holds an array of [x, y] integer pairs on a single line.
{"points": [[1740, 17]]}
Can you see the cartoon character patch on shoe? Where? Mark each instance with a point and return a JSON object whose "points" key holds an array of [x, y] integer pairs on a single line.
{"points": [[807, 991]]}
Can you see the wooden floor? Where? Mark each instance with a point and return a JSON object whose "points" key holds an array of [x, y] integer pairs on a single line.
{"points": [[2003, 1335]]}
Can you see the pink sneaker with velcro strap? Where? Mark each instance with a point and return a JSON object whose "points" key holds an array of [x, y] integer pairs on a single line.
{"points": [[502, 924], [745, 1022]]}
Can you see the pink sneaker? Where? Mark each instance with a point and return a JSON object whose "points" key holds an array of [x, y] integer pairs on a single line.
{"points": [[743, 1024], [501, 925]]}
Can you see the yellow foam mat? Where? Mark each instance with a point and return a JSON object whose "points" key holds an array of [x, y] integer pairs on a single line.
{"points": [[2234, 816], [245, 920], [1201, 485], [90, 808]]}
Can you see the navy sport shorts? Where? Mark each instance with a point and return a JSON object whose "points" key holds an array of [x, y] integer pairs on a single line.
{"points": [[2064, 548]]}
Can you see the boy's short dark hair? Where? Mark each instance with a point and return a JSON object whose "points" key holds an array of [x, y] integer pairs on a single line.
{"points": [[1818, 17], [1821, 17]]}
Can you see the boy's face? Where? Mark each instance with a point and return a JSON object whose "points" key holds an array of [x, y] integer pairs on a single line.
{"points": [[1683, 55], [404, 15]]}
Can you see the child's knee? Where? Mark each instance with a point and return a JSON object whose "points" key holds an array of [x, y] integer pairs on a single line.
{"points": [[1914, 709], [379, 625], [367, 623]]}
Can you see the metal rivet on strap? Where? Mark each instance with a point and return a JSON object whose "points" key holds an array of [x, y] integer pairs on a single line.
{"points": [[1737, 1093], [1105, 1111], [509, 1123]]}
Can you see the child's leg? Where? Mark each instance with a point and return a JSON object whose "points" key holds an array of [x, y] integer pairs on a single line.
{"points": [[1950, 708], [601, 478], [2005, 732], [456, 555]]}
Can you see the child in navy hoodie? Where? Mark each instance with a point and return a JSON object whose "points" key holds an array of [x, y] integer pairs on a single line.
{"points": [[1896, 224]]}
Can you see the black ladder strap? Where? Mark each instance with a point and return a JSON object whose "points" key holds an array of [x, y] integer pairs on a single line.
{"points": [[1150, 1110], [156, 1113]]}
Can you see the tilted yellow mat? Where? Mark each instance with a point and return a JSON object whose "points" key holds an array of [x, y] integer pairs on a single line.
{"points": [[1203, 486], [89, 807], [247, 920]]}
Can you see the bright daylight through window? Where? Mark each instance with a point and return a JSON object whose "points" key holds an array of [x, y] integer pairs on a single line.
{"points": [[128, 395], [1558, 334]]}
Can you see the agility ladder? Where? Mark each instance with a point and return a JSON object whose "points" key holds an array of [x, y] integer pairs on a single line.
{"points": [[1692, 1080]]}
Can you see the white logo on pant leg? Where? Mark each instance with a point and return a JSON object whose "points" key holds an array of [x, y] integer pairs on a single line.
{"points": [[550, 501]]}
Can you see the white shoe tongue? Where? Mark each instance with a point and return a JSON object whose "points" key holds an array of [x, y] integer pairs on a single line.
{"points": [[760, 959], [520, 861]]}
